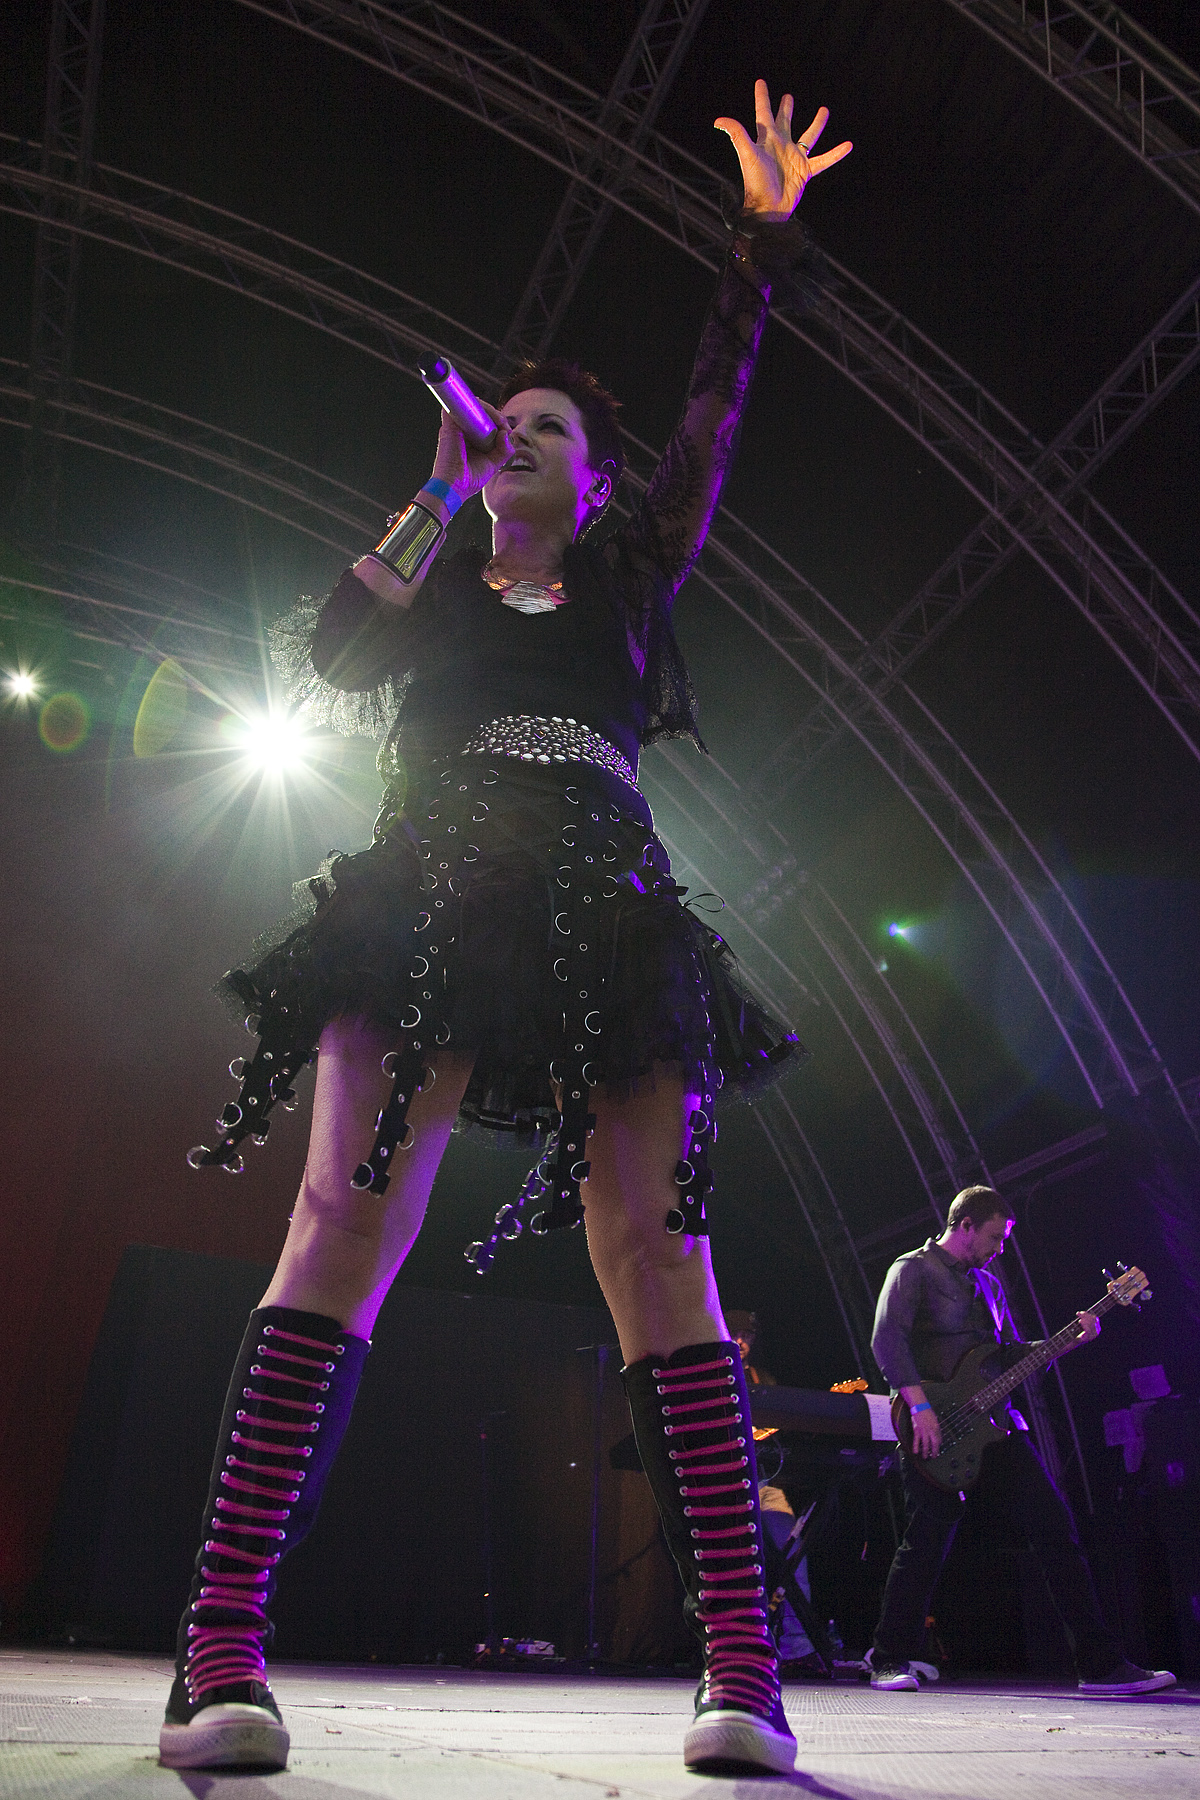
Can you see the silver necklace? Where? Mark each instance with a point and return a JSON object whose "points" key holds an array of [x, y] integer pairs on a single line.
{"points": [[525, 596]]}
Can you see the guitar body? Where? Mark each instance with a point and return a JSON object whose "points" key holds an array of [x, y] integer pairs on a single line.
{"points": [[969, 1405], [956, 1467]]}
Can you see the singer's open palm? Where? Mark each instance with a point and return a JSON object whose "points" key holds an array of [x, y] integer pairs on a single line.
{"points": [[776, 171]]}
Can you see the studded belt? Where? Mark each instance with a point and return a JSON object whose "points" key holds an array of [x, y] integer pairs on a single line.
{"points": [[547, 741]]}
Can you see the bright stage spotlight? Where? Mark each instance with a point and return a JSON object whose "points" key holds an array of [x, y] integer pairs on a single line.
{"points": [[21, 684], [275, 742], [895, 930]]}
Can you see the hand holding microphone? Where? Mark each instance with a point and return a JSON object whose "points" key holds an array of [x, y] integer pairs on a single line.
{"points": [[451, 392], [472, 445], [473, 442]]}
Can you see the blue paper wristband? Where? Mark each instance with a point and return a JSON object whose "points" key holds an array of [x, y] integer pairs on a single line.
{"points": [[441, 490], [922, 1406]]}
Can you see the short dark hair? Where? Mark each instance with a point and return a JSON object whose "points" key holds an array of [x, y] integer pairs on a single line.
{"points": [[597, 406], [975, 1206], [742, 1324]]}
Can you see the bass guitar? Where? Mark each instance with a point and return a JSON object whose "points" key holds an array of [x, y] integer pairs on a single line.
{"points": [[966, 1406]]}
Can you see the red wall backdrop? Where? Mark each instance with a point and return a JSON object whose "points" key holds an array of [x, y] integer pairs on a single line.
{"points": [[114, 1054]]}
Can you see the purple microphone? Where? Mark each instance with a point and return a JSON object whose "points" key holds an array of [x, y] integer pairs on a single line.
{"points": [[452, 393]]}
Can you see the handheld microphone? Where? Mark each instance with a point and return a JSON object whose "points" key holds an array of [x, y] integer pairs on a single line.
{"points": [[455, 397]]}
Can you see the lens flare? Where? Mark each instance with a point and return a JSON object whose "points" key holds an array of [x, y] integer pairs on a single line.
{"points": [[162, 711], [275, 742], [63, 723], [20, 684]]}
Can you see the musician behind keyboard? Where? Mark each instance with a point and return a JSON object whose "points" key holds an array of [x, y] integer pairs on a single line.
{"points": [[937, 1303]]}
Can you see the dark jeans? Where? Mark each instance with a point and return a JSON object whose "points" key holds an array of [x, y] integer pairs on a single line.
{"points": [[1038, 1510]]}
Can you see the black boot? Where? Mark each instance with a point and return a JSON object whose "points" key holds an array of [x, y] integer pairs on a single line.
{"points": [[286, 1412], [691, 1418]]}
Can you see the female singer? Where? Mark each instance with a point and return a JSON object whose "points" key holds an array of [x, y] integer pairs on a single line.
{"points": [[512, 953]]}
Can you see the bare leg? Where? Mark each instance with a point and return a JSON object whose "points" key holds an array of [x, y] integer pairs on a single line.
{"points": [[660, 1289], [700, 1465], [344, 1248]]}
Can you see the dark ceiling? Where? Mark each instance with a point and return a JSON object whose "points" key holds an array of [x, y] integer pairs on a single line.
{"points": [[998, 218]]}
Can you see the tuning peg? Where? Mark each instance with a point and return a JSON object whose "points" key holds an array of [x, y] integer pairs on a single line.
{"points": [[1122, 1268], [1108, 1275]]}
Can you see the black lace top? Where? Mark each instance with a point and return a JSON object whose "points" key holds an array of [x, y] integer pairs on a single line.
{"points": [[459, 658]]}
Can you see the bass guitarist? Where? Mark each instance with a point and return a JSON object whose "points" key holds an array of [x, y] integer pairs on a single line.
{"points": [[937, 1304]]}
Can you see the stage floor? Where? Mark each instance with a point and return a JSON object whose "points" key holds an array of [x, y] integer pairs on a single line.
{"points": [[86, 1724]]}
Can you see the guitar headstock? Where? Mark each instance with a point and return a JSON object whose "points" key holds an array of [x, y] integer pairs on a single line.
{"points": [[856, 1385], [1128, 1287]]}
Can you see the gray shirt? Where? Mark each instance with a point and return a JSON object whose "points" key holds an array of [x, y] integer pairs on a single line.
{"points": [[932, 1310]]}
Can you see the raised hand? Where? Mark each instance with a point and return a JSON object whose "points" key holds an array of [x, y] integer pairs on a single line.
{"points": [[776, 171]]}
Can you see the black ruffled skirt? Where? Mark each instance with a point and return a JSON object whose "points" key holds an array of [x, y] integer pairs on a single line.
{"points": [[490, 900]]}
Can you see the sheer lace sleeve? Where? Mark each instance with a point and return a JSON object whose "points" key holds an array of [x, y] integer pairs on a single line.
{"points": [[649, 557], [344, 657], [671, 522]]}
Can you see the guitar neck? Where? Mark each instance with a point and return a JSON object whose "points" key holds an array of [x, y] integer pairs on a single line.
{"points": [[1036, 1359]]}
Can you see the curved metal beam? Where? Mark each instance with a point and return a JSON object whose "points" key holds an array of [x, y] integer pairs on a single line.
{"points": [[68, 136], [110, 600], [826, 1223], [221, 462], [641, 84], [1104, 63], [248, 259], [1107, 1041], [912, 1088], [1169, 351], [955, 419], [906, 1076]]}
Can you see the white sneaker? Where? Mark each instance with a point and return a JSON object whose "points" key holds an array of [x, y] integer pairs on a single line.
{"points": [[893, 1676], [1127, 1678], [724, 1739], [228, 1734]]}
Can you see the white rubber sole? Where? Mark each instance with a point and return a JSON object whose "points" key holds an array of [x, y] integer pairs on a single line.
{"points": [[721, 1739], [224, 1735], [895, 1684], [1154, 1683]]}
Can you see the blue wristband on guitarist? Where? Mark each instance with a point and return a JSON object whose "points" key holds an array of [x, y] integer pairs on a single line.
{"points": [[923, 1406]]}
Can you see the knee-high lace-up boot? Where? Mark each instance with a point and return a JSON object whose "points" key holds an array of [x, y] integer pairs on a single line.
{"points": [[691, 1418], [286, 1412]]}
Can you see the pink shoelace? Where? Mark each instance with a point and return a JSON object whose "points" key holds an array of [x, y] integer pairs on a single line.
{"points": [[219, 1654], [740, 1668]]}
